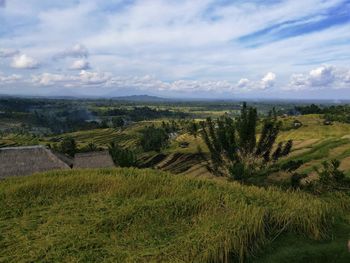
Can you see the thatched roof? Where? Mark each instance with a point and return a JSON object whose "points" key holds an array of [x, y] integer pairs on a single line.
{"points": [[100, 159], [16, 161]]}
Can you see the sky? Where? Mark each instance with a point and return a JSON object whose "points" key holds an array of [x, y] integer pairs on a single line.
{"points": [[285, 49]]}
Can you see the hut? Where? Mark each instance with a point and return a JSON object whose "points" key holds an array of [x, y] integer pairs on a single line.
{"points": [[18, 161], [100, 159], [297, 124], [327, 122]]}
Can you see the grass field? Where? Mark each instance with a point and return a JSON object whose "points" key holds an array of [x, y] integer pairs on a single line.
{"points": [[128, 215]]}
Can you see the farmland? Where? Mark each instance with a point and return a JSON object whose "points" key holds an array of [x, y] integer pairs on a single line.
{"points": [[128, 215], [100, 215]]}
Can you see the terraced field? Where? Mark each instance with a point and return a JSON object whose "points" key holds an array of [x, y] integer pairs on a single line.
{"points": [[18, 140], [314, 143]]}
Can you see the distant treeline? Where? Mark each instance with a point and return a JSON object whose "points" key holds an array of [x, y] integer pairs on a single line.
{"points": [[62, 115], [141, 113], [339, 113]]}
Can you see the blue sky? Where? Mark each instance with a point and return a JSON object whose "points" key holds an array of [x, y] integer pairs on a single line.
{"points": [[194, 48]]}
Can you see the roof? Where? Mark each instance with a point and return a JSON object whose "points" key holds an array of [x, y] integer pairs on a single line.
{"points": [[100, 159], [17, 161]]}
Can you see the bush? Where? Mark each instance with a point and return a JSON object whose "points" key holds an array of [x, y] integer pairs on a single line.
{"points": [[331, 177], [154, 139], [68, 146], [122, 157], [234, 148], [118, 122]]}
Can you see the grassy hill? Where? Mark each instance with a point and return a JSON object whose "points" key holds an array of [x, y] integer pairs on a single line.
{"points": [[130, 215]]}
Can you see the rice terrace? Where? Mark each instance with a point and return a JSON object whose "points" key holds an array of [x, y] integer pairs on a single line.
{"points": [[175, 131]]}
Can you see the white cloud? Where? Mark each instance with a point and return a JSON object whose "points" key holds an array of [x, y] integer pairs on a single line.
{"points": [[325, 76], [322, 76], [47, 79], [81, 79], [80, 64], [243, 83], [24, 62], [6, 53], [10, 79], [94, 78], [77, 51], [268, 80]]}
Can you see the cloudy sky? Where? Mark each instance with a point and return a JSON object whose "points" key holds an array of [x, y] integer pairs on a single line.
{"points": [[176, 48]]}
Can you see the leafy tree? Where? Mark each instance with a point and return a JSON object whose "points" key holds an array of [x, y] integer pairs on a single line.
{"points": [[122, 157], [118, 122], [193, 128], [68, 146], [331, 177], [104, 124], [154, 139], [234, 148]]}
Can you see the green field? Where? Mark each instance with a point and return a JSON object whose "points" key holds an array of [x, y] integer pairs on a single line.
{"points": [[130, 215]]}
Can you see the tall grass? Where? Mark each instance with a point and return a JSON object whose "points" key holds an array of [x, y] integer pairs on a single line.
{"points": [[128, 215]]}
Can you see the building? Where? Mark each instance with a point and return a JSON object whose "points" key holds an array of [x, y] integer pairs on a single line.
{"points": [[100, 159], [18, 161]]}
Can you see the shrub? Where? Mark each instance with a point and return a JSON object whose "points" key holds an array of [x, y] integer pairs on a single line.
{"points": [[122, 157], [234, 148], [68, 146], [154, 139], [331, 177]]}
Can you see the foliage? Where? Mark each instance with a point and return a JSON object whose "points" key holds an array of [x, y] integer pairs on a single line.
{"points": [[153, 138], [330, 177], [68, 146], [193, 128], [118, 122], [141, 113], [233, 144], [90, 147], [170, 126], [340, 113], [122, 157]]}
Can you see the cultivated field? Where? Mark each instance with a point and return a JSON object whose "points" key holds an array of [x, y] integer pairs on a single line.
{"points": [[128, 215]]}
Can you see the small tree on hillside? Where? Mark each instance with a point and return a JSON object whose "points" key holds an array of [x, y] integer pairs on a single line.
{"points": [[68, 146], [154, 139], [118, 122], [331, 177], [122, 157], [193, 128], [233, 144]]}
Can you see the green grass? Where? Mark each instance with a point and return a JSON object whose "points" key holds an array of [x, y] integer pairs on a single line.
{"points": [[13, 140], [128, 215], [295, 249], [313, 128]]}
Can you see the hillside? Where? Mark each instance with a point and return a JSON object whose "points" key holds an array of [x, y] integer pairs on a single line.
{"points": [[130, 215]]}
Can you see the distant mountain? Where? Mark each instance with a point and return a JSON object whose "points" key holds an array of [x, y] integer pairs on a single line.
{"points": [[141, 98]]}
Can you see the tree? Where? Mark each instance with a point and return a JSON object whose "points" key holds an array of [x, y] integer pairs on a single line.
{"points": [[122, 157], [68, 146], [118, 122], [193, 128], [331, 177], [234, 148], [154, 139]]}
